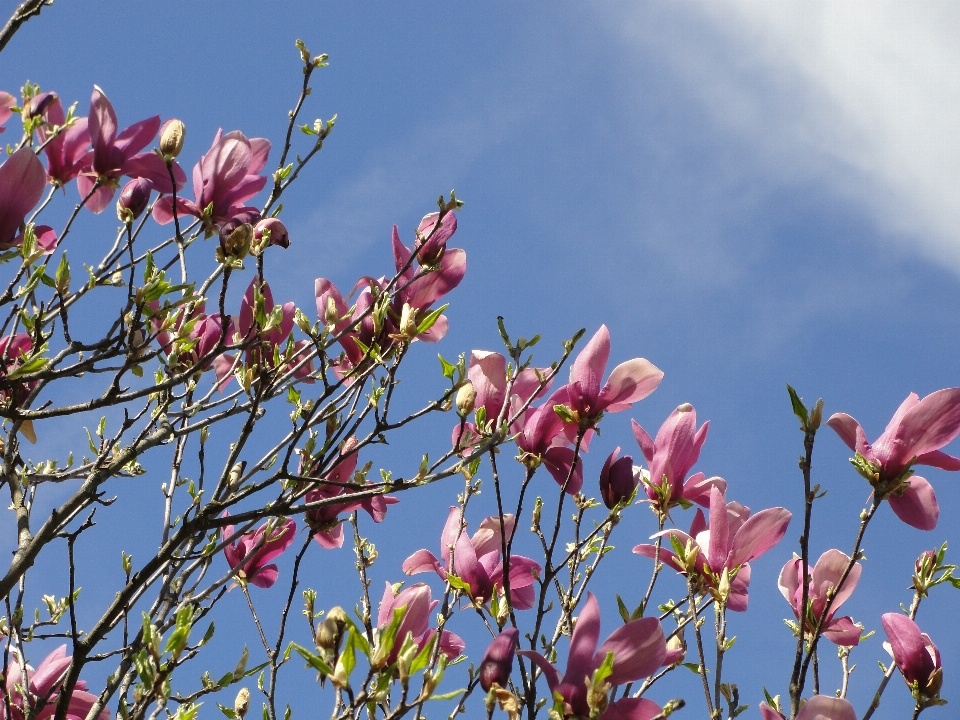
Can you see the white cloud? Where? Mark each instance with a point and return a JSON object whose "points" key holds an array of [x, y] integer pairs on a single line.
{"points": [[863, 96]]}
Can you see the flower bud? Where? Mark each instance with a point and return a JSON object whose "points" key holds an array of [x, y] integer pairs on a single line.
{"points": [[432, 237], [330, 631], [133, 200], [617, 480], [676, 649], [816, 416], [171, 138], [38, 104], [330, 313], [242, 703], [497, 663], [408, 322], [466, 396], [272, 231]]}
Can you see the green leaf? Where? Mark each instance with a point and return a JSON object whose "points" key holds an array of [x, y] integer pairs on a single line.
{"points": [[449, 695], [430, 318], [798, 407], [313, 660], [447, 368], [227, 711]]}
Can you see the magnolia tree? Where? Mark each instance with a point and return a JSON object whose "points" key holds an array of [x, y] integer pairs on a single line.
{"points": [[184, 379]]}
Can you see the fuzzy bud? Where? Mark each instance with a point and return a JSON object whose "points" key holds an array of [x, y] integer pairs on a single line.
{"points": [[408, 322], [242, 703], [171, 138], [816, 416], [133, 200], [466, 397], [235, 241], [330, 631], [497, 663]]}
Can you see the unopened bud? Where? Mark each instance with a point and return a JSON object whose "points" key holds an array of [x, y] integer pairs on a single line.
{"points": [[617, 479], [466, 397], [242, 703], [497, 663], [330, 631], [171, 138], [236, 475], [330, 314], [133, 200], [676, 649], [408, 322], [723, 588], [816, 416], [270, 231]]}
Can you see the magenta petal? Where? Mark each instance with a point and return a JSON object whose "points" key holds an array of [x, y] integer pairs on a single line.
{"points": [[667, 556], [22, 179], [137, 136], [939, 459], [423, 561], [488, 374], [638, 650], [587, 370], [523, 571], [583, 643], [928, 425], [826, 707], [827, 573], [719, 545], [632, 709], [846, 427], [523, 598], [739, 598], [643, 440], [558, 461], [102, 126], [629, 382], [768, 713], [697, 487], [548, 670], [843, 631], [265, 577], [918, 505], [758, 534], [151, 167]]}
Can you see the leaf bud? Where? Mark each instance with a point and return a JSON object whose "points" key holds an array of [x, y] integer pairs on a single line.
{"points": [[816, 416], [242, 703], [133, 200], [171, 138], [466, 397], [330, 631]]}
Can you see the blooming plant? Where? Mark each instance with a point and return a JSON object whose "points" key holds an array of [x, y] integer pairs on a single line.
{"points": [[153, 339]]}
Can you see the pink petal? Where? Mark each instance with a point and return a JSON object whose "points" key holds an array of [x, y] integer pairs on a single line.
{"points": [[488, 538], [629, 382], [918, 505], [768, 713], [643, 440], [548, 670], [827, 573], [265, 577], [583, 643], [587, 370], [758, 534], [845, 427], [632, 709], [488, 373], [908, 648], [825, 707], [137, 136], [22, 179], [667, 556], [928, 425], [843, 631], [638, 650], [719, 546], [163, 209], [939, 459], [423, 561]]}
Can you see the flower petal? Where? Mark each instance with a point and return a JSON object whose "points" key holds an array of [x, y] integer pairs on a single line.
{"points": [[758, 534], [638, 650], [918, 505]]}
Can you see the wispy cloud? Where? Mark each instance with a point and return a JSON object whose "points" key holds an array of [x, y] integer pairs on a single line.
{"points": [[863, 97]]}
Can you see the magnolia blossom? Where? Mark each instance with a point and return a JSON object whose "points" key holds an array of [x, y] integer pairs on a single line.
{"points": [[22, 179], [913, 436], [13, 350], [264, 346], [476, 560], [731, 540], [915, 655], [324, 522], [671, 455], [825, 576], [432, 235], [487, 373], [250, 554], [819, 707], [43, 689], [67, 151], [117, 153], [419, 604], [541, 440], [638, 648], [225, 178], [628, 383]]}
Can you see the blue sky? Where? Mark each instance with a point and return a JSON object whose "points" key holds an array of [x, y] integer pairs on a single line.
{"points": [[746, 194]]}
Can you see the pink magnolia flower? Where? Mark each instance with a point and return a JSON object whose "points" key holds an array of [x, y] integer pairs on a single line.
{"points": [[432, 235], [487, 373], [43, 686], [225, 178], [913, 436], [68, 151], [325, 522], [826, 576], [268, 345], [22, 179], [116, 154], [731, 540], [541, 440], [497, 663], [617, 479], [419, 603], [250, 554], [671, 455], [198, 336], [819, 707], [915, 655], [7, 103], [13, 350], [628, 383], [477, 561], [638, 648], [420, 289]]}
